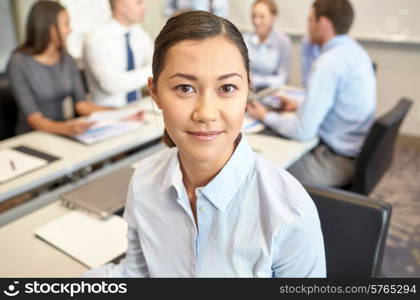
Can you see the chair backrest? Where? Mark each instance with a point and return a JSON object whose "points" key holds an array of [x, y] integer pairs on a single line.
{"points": [[8, 109], [355, 228], [378, 149], [375, 67]]}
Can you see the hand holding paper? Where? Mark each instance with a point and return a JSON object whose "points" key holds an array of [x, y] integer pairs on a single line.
{"points": [[111, 123]]}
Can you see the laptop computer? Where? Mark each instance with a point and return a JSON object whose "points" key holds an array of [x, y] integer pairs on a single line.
{"points": [[103, 196]]}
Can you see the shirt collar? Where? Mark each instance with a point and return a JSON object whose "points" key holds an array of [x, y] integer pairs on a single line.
{"points": [[337, 40], [255, 40], [120, 28], [221, 189]]}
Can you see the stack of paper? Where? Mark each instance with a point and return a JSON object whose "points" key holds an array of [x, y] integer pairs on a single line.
{"points": [[14, 163], [251, 126], [93, 242], [108, 124]]}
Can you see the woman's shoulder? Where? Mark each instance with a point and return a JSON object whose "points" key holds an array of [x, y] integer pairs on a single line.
{"points": [[287, 196], [19, 63], [19, 58]]}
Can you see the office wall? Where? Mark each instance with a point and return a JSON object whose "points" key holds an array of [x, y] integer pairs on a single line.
{"points": [[398, 63], [8, 39], [22, 8]]}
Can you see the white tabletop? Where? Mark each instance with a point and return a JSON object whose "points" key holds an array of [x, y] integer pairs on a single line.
{"points": [[282, 152], [24, 255], [74, 155]]}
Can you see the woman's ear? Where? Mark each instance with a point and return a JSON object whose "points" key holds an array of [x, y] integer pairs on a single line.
{"points": [[153, 91]]}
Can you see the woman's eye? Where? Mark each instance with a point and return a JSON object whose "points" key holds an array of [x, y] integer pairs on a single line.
{"points": [[185, 88], [228, 88]]}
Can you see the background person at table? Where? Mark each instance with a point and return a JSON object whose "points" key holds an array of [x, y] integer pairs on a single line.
{"points": [[269, 49], [208, 206], [340, 99], [42, 74], [118, 56], [217, 7]]}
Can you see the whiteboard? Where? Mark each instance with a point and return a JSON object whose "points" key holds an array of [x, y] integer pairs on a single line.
{"points": [[85, 15], [377, 20]]}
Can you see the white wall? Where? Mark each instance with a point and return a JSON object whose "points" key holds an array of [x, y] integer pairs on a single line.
{"points": [[22, 8], [8, 39]]}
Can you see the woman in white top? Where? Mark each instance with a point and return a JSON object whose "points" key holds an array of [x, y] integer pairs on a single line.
{"points": [[270, 50], [208, 206]]}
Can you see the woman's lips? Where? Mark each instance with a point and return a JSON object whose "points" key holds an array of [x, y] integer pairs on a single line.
{"points": [[204, 135]]}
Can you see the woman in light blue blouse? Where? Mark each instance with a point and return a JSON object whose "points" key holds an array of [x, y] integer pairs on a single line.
{"points": [[208, 206], [269, 50]]}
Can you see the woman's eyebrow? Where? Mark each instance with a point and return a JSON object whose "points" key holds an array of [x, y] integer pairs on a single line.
{"points": [[186, 76], [226, 76], [194, 78]]}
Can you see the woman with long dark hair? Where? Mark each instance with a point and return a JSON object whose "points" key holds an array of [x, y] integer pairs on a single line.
{"points": [[208, 206], [43, 74]]}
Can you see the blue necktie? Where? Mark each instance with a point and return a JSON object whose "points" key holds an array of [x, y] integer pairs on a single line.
{"points": [[131, 96]]}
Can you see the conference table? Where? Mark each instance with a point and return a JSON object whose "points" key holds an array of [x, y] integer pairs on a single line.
{"points": [[73, 155]]}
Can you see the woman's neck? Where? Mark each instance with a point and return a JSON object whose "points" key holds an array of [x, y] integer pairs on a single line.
{"points": [[50, 56], [197, 174], [263, 37]]}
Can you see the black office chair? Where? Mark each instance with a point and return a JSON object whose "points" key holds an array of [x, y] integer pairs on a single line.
{"points": [[377, 152], [355, 228], [8, 109]]}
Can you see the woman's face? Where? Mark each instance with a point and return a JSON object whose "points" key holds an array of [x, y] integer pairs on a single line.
{"points": [[202, 92], [262, 19], [63, 23]]}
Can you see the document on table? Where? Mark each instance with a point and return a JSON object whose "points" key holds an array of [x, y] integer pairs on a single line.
{"points": [[251, 126], [109, 123], [269, 96], [14, 163], [92, 241]]}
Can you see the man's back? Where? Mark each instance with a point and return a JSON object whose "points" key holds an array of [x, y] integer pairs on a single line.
{"points": [[347, 69]]}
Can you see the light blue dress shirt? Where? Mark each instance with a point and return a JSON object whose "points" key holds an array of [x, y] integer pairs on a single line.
{"points": [[271, 61], [340, 99], [219, 7], [309, 54], [254, 220]]}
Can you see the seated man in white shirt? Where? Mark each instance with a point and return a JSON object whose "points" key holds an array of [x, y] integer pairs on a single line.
{"points": [[118, 56]]}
